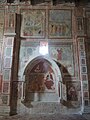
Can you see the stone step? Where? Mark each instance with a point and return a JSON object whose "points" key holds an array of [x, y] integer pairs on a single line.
{"points": [[87, 109], [46, 117], [46, 108], [40, 107]]}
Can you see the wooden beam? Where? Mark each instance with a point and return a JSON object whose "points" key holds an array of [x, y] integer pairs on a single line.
{"points": [[55, 2], [34, 2], [15, 68], [10, 1]]}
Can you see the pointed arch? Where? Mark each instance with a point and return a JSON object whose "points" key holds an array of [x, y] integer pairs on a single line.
{"points": [[52, 62]]}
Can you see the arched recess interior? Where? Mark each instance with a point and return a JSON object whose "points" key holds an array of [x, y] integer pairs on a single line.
{"points": [[55, 68]]}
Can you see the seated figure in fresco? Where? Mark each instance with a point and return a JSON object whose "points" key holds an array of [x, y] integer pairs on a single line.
{"points": [[49, 82]]}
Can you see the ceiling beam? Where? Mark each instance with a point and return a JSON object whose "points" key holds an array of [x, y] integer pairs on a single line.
{"points": [[55, 2], [10, 1], [34, 2]]}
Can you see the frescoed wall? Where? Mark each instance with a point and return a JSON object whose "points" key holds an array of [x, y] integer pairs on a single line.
{"points": [[65, 31]]}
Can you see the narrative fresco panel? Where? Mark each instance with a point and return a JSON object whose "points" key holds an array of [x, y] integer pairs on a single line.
{"points": [[60, 23], [33, 23]]}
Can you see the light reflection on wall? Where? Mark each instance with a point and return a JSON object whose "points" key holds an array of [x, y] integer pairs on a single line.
{"points": [[43, 49]]}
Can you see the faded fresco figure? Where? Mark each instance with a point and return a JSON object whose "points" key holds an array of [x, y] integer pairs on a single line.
{"points": [[72, 94], [59, 55]]}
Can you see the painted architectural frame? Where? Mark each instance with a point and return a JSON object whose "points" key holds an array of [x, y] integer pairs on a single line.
{"points": [[84, 77], [6, 74], [60, 23], [86, 95], [8, 52], [13, 8], [9, 24], [80, 26], [9, 41], [5, 99], [7, 62], [33, 23], [83, 61], [6, 87], [88, 23], [2, 14], [85, 85], [83, 69]]}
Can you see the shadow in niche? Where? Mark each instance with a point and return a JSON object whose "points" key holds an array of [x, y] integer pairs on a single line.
{"points": [[27, 104], [70, 90]]}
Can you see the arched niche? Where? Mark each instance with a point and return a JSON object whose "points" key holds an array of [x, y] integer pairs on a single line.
{"points": [[42, 78]]}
